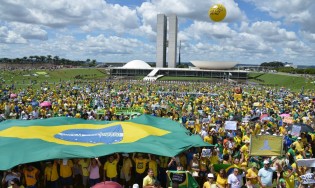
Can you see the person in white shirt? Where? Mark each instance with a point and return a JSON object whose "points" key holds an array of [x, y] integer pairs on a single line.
{"points": [[235, 180]]}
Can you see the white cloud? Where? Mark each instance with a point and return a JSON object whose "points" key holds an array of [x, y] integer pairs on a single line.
{"points": [[9, 36]]}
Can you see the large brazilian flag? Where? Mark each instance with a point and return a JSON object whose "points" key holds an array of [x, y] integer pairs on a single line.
{"points": [[24, 141]]}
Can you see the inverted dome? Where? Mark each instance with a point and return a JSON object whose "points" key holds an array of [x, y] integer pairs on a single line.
{"points": [[137, 64], [214, 65]]}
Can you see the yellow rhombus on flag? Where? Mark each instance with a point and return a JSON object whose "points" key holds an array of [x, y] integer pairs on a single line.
{"points": [[266, 145]]}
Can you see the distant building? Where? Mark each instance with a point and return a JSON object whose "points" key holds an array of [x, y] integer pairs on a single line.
{"points": [[161, 41]]}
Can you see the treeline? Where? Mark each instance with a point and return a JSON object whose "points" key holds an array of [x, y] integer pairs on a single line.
{"points": [[273, 64], [280, 67], [296, 71], [56, 60]]}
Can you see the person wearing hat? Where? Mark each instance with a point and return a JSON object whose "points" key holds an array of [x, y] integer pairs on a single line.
{"points": [[125, 173], [251, 176], [289, 175], [298, 144], [265, 174], [245, 150], [210, 183]]}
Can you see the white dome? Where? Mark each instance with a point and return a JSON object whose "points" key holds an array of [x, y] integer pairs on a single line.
{"points": [[214, 65], [137, 64]]}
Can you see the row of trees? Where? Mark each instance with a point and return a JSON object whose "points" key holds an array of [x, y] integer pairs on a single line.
{"points": [[280, 67], [56, 60]]}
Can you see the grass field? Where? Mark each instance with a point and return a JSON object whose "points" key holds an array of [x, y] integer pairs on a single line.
{"points": [[294, 82], [23, 78]]}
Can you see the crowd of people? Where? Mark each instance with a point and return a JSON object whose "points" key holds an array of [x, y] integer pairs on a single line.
{"points": [[201, 107]]}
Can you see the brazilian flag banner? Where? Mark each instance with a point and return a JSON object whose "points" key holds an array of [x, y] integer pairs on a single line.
{"points": [[24, 141], [182, 178], [266, 145]]}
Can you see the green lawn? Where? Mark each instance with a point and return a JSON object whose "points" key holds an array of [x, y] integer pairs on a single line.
{"points": [[23, 78], [294, 82], [170, 78]]}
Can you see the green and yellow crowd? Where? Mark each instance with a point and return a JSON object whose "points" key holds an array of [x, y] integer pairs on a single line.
{"points": [[201, 107]]}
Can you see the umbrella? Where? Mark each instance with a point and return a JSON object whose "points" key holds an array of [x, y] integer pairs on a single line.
{"points": [[266, 118], [254, 118], [107, 184], [13, 95], [285, 115], [34, 103], [45, 104], [304, 128]]}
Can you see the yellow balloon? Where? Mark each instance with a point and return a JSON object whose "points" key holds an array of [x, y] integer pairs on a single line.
{"points": [[217, 12]]}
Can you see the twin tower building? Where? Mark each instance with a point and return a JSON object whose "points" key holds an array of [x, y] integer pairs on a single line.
{"points": [[166, 43]]}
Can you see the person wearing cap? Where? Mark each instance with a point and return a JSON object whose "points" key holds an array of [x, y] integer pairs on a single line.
{"points": [[251, 176], [125, 173], [298, 144], [210, 183], [265, 175]]}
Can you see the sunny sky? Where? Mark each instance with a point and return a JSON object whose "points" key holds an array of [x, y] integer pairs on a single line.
{"points": [[254, 31]]}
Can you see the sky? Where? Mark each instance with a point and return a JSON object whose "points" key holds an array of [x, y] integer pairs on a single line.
{"points": [[253, 32]]}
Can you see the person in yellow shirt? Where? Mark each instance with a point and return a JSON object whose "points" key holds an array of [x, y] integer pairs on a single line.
{"points": [[153, 165], [221, 181], [126, 168], [110, 168], [246, 136], [149, 180], [298, 144], [51, 174], [140, 165], [245, 151], [66, 173], [289, 176], [84, 169], [210, 183], [31, 176], [282, 129], [251, 176]]}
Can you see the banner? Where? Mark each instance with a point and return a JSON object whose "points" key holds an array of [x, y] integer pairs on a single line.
{"points": [[231, 125], [266, 145], [306, 162], [182, 178], [62, 138], [296, 130], [308, 178]]}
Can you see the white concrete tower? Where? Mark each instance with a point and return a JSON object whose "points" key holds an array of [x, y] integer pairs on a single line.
{"points": [[172, 41], [161, 40]]}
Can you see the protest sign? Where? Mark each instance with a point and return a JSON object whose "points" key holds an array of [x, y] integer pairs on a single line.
{"points": [[182, 179], [206, 153], [296, 130], [231, 125], [266, 145], [205, 120], [308, 178], [306, 162]]}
